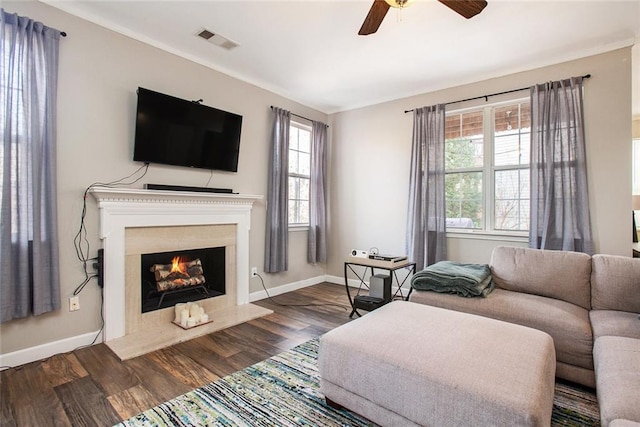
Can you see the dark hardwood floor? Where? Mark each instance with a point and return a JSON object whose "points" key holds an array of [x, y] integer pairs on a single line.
{"points": [[92, 387]]}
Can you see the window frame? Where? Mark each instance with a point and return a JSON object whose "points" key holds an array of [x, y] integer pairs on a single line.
{"points": [[299, 226], [635, 173], [635, 165], [488, 170]]}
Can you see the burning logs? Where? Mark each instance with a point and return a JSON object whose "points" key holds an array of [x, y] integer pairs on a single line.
{"points": [[178, 274]]}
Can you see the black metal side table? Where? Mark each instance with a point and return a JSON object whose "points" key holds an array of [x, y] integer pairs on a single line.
{"points": [[366, 302]]}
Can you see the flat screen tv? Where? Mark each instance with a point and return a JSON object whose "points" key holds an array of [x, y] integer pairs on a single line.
{"points": [[174, 131]]}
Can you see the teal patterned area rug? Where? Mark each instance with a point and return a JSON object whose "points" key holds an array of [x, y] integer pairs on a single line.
{"points": [[284, 391]]}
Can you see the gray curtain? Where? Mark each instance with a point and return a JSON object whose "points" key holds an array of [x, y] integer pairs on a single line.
{"points": [[559, 198], [426, 232], [317, 251], [29, 248], [276, 256]]}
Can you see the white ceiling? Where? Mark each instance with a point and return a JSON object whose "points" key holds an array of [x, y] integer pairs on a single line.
{"points": [[309, 51]]}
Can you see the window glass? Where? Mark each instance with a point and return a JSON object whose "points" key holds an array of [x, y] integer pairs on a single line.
{"points": [[464, 199], [512, 126], [299, 173], [512, 200], [487, 156], [464, 146]]}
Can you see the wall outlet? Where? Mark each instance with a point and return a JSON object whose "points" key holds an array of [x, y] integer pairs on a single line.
{"points": [[254, 271], [74, 303]]}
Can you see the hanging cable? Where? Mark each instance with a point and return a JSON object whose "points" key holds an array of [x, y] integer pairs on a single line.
{"points": [[210, 177], [80, 240], [299, 305]]}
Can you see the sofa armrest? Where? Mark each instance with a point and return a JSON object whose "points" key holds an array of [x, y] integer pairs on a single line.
{"points": [[615, 283]]}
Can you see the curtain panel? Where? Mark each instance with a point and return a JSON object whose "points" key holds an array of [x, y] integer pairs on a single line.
{"points": [[426, 222], [560, 216], [317, 240], [276, 255], [29, 238]]}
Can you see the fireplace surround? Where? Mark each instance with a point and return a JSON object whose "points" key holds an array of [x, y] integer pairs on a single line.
{"points": [[133, 222]]}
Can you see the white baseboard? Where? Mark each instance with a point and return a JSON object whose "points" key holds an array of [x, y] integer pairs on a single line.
{"points": [[44, 351], [260, 295], [338, 280], [66, 345]]}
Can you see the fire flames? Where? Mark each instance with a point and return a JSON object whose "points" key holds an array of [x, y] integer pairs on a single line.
{"points": [[180, 273], [177, 265]]}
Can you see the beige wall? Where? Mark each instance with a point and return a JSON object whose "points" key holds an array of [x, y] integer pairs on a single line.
{"points": [[370, 153], [99, 74], [371, 150], [636, 128]]}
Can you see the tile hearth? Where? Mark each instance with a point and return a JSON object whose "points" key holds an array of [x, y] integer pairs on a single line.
{"points": [[167, 334]]}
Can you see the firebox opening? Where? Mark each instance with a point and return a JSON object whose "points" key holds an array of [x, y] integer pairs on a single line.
{"points": [[181, 276]]}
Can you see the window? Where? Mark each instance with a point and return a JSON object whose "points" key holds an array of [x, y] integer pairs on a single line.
{"points": [[12, 96], [28, 66], [299, 173], [487, 154]]}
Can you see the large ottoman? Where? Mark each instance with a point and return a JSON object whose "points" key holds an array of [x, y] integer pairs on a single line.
{"points": [[413, 364]]}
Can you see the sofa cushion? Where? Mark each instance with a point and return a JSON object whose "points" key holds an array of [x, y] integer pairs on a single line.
{"points": [[567, 323], [614, 323], [615, 283], [617, 366], [555, 274]]}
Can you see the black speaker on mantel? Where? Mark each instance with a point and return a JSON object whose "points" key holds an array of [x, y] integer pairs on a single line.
{"points": [[164, 187]]}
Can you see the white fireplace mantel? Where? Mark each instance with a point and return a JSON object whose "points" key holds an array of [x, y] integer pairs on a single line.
{"points": [[120, 209]]}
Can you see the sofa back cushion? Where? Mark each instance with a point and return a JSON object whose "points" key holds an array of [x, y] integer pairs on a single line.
{"points": [[615, 283], [555, 274]]}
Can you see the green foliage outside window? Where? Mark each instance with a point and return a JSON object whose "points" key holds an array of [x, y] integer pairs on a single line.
{"points": [[463, 190]]}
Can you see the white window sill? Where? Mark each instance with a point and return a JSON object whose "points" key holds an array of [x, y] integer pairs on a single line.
{"points": [[298, 227], [489, 235]]}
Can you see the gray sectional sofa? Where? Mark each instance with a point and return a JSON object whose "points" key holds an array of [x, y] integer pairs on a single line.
{"points": [[589, 305]]}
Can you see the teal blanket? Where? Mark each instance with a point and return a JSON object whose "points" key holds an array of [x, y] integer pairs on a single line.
{"points": [[467, 280]]}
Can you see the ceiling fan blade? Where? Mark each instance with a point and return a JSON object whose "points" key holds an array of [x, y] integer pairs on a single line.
{"points": [[466, 8], [374, 17]]}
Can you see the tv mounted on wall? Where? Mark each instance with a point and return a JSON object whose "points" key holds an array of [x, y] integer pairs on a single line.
{"points": [[174, 131]]}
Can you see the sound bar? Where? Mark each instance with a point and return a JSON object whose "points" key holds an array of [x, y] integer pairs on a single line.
{"points": [[187, 188]]}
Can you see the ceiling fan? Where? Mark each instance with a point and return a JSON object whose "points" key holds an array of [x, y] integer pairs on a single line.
{"points": [[466, 8]]}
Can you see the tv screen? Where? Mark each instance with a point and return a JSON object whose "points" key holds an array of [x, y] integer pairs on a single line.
{"points": [[174, 131]]}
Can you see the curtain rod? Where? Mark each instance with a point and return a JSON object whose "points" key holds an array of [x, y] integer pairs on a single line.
{"points": [[486, 97], [297, 115], [63, 34]]}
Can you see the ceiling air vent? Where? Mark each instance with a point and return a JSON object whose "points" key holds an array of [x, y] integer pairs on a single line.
{"points": [[217, 39]]}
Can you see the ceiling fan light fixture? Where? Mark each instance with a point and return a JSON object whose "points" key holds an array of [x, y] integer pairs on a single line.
{"points": [[399, 4]]}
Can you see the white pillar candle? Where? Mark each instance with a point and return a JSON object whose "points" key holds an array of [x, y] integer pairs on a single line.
{"points": [[179, 307], [184, 315], [196, 316], [204, 318], [193, 309], [191, 322]]}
